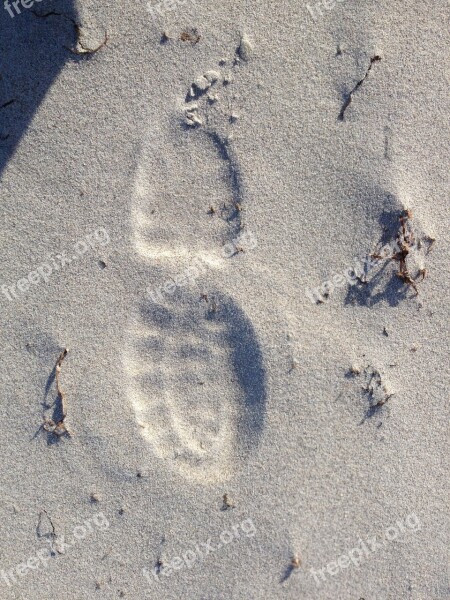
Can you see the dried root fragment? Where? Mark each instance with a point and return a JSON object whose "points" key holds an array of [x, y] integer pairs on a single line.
{"points": [[57, 425]]}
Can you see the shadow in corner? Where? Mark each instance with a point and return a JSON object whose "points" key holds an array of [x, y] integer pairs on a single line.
{"points": [[34, 46]]}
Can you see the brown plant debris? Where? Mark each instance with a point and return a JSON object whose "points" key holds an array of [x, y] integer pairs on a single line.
{"points": [[405, 239], [405, 242], [376, 390], [192, 37], [294, 565], [58, 427], [296, 562], [349, 97], [227, 502]]}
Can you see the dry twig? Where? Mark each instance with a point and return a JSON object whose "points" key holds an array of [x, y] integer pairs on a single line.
{"points": [[58, 428]]}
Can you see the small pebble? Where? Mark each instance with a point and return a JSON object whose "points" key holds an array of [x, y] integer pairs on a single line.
{"points": [[202, 84], [212, 76]]}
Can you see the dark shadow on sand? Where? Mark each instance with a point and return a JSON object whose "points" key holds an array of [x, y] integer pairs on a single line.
{"points": [[33, 50], [382, 282], [248, 364]]}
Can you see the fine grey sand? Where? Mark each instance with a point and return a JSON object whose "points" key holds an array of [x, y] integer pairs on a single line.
{"points": [[233, 216]]}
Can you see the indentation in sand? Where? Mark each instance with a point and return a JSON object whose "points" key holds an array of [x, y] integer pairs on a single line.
{"points": [[196, 381], [194, 370]]}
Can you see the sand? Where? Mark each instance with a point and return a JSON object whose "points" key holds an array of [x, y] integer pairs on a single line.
{"points": [[234, 218]]}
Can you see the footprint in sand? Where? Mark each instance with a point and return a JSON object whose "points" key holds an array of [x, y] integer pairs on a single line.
{"points": [[195, 373], [197, 382]]}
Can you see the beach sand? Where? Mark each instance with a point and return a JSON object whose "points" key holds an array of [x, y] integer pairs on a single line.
{"points": [[234, 218]]}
